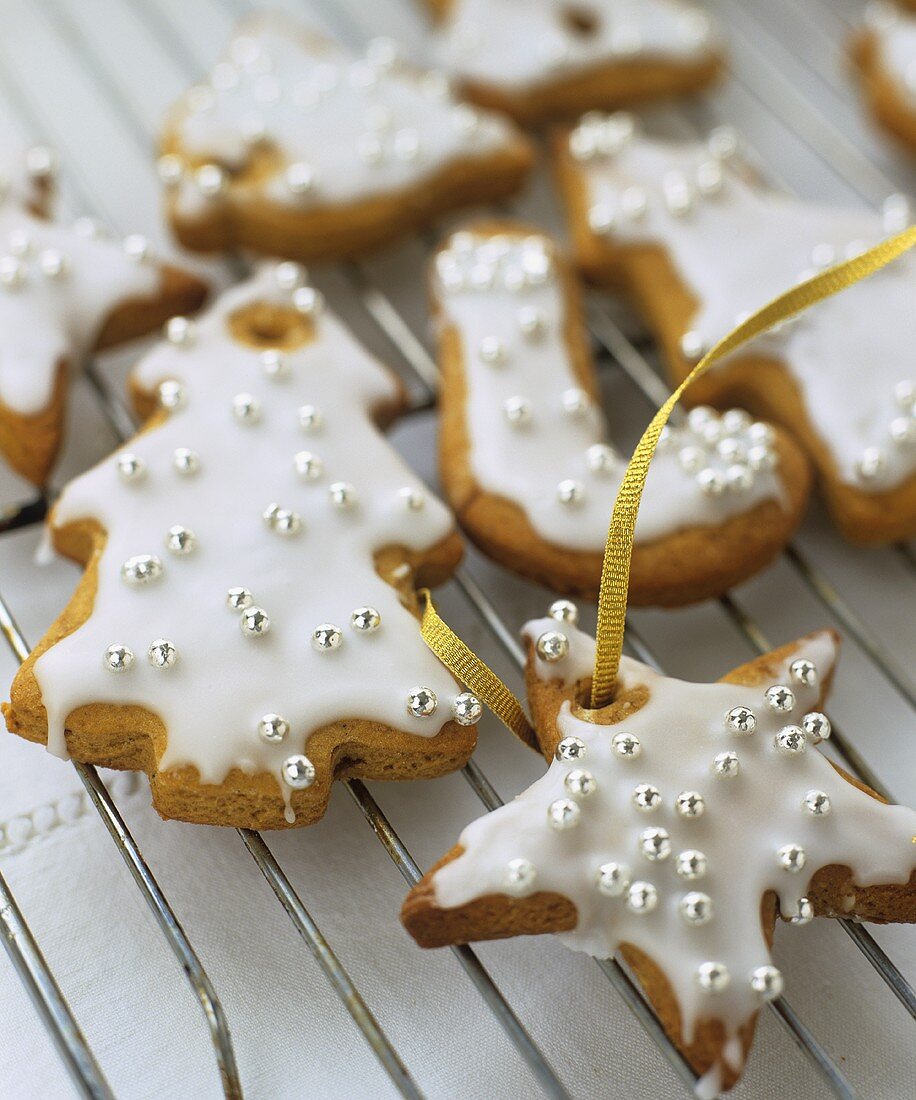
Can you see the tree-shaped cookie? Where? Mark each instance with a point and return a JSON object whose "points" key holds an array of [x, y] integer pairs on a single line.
{"points": [[674, 826], [547, 58], [886, 56], [525, 457], [294, 146], [65, 291], [244, 628], [697, 241]]}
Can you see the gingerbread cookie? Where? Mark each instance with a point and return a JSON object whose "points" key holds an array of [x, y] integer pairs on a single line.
{"points": [[885, 54], [296, 147], [65, 291], [696, 240], [673, 826], [525, 458], [549, 58], [244, 630]]}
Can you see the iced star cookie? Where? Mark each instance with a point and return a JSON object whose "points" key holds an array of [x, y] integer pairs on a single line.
{"points": [[296, 147], [886, 56], [244, 630], [697, 241], [65, 291], [549, 58], [674, 826], [524, 451]]}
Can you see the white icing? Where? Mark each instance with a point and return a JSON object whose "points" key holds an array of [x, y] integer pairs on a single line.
{"points": [[743, 245], [223, 683], [747, 818], [354, 127], [526, 463], [523, 45], [895, 32], [49, 316]]}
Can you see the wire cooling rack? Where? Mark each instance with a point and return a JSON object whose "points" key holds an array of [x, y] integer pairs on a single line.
{"points": [[787, 86]]}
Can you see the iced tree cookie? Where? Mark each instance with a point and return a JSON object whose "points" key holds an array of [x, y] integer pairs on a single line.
{"points": [[885, 53], [244, 630], [524, 451], [65, 292], [296, 147], [549, 58], [674, 826], [697, 241]]}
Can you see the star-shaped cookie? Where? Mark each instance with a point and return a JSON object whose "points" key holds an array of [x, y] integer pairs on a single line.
{"points": [[548, 58], [689, 231], [674, 826], [525, 457], [245, 627], [65, 292], [294, 146]]}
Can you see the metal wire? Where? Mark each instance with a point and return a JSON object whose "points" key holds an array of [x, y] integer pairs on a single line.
{"points": [[329, 963], [487, 988], [812, 1050], [45, 993]]}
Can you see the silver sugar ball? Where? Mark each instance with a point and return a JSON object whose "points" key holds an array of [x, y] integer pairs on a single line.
{"points": [[626, 746], [790, 741], [766, 982], [570, 748], [552, 646], [696, 908], [422, 702], [162, 653], [467, 709], [791, 857], [254, 622], [298, 772], [365, 620], [655, 844], [326, 636], [272, 728], [519, 878], [611, 879], [239, 598], [780, 698], [642, 897], [141, 569], [117, 658], [563, 813]]}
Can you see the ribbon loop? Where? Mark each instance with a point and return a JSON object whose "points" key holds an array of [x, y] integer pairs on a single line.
{"points": [[615, 575], [467, 667]]}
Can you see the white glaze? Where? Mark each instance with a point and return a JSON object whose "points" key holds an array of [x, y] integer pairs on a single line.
{"points": [[212, 700], [363, 126], [747, 818], [739, 248], [895, 32], [47, 320], [526, 463], [519, 46]]}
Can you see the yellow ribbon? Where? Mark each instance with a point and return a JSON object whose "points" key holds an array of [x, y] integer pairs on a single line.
{"points": [[615, 573], [467, 667]]}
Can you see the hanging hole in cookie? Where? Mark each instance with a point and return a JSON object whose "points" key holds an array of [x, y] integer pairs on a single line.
{"points": [[268, 326], [624, 702], [580, 20]]}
